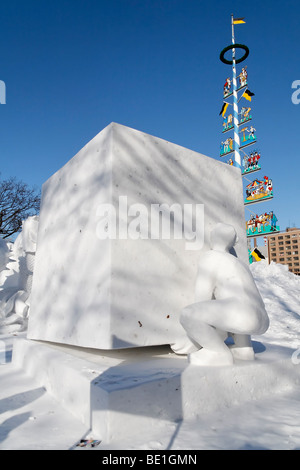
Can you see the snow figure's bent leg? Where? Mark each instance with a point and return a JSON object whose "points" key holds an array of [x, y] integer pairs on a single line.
{"points": [[214, 351], [206, 323], [229, 315]]}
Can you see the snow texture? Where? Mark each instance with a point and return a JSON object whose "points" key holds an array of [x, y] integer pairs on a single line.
{"points": [[280, 291]]}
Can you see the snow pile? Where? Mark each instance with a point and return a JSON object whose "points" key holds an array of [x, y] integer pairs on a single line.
{"points": [[280, 290]]}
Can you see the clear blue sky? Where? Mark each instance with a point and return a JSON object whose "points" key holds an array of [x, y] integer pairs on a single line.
{"points": [[73, 66]]}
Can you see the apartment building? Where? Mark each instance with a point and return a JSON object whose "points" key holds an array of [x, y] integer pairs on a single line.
{"points": [[284, 248]]}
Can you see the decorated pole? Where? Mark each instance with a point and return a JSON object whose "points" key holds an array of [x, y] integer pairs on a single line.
{"points": [[258, 190], [237, 156], [233, 145]]}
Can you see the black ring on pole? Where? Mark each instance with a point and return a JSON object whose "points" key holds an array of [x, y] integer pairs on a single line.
{"points": [[234, 46]]}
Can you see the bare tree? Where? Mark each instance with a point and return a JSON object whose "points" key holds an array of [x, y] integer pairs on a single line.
{"points": [[17, 202]]}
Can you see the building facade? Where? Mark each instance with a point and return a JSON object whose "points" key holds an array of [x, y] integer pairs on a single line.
{"points": [[284, 248]]}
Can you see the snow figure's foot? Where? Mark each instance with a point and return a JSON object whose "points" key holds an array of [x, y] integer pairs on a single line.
{"points": [[184, 346], [206, 357], [243, 354]]}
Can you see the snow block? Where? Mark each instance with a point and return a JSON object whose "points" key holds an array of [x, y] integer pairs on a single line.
{"points": [[108, 273]]}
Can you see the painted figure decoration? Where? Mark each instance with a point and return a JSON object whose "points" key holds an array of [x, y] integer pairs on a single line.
{"points": [[227, 123], [250, 162], [226, 147], [259, 189], [227, 87], [245, 115], [243, 77], [248, 136], [262, 224]]}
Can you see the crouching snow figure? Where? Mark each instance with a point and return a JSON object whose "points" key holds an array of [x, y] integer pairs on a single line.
{"points": [[228, 303], [16, 279]]}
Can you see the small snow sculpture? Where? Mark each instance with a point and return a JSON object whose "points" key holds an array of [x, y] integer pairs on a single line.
{"points": [[228, 303], [16, 279]]}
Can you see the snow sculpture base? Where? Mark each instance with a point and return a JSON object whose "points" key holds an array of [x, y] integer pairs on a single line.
{"points": [[124, 292], [116, 392]]}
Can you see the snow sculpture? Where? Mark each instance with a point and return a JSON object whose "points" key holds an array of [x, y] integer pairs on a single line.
{"points": [[228, 303], [102, 277], [16, 279]]}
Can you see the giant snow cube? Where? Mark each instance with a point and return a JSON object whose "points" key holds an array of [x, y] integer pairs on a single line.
{"points": [[116, 260]]}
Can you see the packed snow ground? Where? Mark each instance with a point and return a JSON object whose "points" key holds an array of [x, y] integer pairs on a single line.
{"points": [[31, 419]]}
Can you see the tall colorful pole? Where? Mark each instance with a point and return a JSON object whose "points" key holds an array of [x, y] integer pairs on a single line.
{"points": [[256, 191], [237, 156]]}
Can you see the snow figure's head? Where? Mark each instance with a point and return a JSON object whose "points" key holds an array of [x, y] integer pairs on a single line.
{"points": [[223, 237]]}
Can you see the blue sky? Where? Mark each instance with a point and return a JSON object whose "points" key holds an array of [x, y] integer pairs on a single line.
{"points": [[73, 66]]}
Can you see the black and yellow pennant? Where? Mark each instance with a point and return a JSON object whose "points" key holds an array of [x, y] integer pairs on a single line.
{"points": [[238, 20], [224, 109], [248, 94]]}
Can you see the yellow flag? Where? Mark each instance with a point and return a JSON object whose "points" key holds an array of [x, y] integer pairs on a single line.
{"points": [[257, 255], [248, 94], [224, 109], [238, 20]]}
